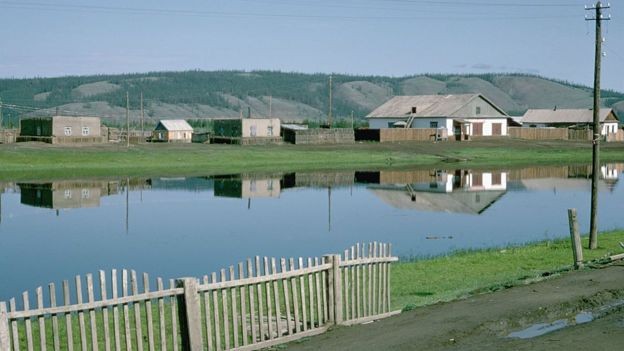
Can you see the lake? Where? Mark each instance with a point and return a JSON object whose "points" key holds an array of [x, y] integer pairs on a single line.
{"points": [[173, 227]]}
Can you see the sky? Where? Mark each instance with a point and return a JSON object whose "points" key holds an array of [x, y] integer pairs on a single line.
{"points": [[50, 38]]}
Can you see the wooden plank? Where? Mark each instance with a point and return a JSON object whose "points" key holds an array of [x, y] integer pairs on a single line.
{"points": [[330, 283], [252, 305], [55, 326], [286, 298], [369, 289], [337, 288], [224, 306], [161, 316], [150, 318], [4, 327], [311, 296], [261, 323], [14, 332], [41, 319], [276, 293], [125, 310], [104, 297], [388, 294], [295, 297], [380, 268], [358, 292], [190, 314], [371, 318], [217, 322], [81, 317], [374, 281], [269, 318], [346, 294], [116, 327], [264, 344], [138, 326], [352, 286], [68, 318], [92, 320], [304, 312], [208, 314], [324, 289], [243, 303], [319, 298], [29, 337], [234, 308], [174, 317]]}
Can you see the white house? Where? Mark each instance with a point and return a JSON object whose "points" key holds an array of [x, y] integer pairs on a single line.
{"points": [[463, 115], [565, 118], [173, 130]]}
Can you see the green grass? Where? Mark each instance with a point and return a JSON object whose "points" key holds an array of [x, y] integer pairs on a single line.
{"points": [[35, 161], [460, 274]]}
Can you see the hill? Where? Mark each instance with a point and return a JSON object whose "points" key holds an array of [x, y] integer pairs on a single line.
{"points": [[290, 96]]}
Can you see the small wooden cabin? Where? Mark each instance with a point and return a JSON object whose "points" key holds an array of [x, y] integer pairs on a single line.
{"points": [[61, 130], [173, 131]]}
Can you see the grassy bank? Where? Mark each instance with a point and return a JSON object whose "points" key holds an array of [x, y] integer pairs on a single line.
{"points": [[456, 275], [33, 160]]}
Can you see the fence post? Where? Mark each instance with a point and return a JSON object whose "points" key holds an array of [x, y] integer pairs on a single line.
{"points": [[334, 283], [4, 327], [190, 315], [575, 236]]}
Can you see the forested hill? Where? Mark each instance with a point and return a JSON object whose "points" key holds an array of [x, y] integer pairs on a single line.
{"points": [[290, 96]]}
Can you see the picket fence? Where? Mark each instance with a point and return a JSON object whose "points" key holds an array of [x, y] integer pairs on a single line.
{"points": [[259, 303]]}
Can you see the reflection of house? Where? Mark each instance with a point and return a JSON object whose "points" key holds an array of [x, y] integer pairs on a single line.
{"points": [[60, 195], [460, 115], [565, 118], [566, 177], [173, 130], [247, 130], [441, 191], [247, 188], [61, 130]]}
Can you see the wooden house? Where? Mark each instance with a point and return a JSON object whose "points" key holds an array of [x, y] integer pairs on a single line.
{"points": [[462, 116], [571, 118], [61, 130], [173, 131]]}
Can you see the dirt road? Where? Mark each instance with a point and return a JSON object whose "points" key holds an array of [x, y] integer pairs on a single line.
{"points": [[484, 322]]}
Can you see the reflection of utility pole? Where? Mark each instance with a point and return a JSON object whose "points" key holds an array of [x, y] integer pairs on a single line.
{"points": [[329, 208], [593, 227], [127, 204], [249, 203]]}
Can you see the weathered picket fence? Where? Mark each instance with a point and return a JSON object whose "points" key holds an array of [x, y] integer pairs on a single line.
{"points": [[257, 304]]}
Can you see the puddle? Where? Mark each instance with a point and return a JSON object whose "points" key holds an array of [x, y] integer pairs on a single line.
{"points": [[539, 329]]}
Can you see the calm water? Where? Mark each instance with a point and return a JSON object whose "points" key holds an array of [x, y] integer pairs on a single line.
{"points": [[171, 227]]}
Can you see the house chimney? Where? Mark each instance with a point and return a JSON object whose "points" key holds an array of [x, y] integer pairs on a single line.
{"points": [[413, 109], [249, 112], [555, 109]]}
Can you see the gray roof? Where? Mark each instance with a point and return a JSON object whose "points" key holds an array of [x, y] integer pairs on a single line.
{"points": [[175, 124], [565, 116], [426, 106]]}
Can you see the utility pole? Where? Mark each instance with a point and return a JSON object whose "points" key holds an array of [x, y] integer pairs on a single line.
{"points": [[127, 119], [352, 120], [270, 106], [0, 114], [593, 227], [329, 116], [142, 118]]}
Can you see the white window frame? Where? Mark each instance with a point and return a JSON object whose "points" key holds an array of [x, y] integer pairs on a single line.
{"points": [[270, 130], [86, 131], [67, 131]]}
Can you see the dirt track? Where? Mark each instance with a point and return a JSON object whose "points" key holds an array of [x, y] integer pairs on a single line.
{"points": [[483, 322]]}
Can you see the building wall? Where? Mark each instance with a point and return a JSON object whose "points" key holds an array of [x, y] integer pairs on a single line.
{"points": [[325, 136], [488, 125], [260, 127], [79, 126]]}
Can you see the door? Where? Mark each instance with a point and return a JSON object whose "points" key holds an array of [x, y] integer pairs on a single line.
{"points": [[497, 128], [477, 129]]}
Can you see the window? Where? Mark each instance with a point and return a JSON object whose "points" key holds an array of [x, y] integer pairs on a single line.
{"points": [[433, 124], [68, 131], [478, 110], [270, 131], [67, 194], [252, 130], [85, 131], [85, 193]]}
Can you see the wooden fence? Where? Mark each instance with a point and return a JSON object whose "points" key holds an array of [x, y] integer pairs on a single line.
{"points": [[538, 133], [256, 304], [391, 135]]}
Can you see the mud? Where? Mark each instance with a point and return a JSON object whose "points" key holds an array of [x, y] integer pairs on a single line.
{"points": [[588, 302]]}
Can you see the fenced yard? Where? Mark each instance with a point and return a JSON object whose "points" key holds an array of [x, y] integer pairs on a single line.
{"points": [[256, 304]]}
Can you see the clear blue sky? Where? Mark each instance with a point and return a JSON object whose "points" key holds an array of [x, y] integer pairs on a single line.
{"points": [[382, 37]]}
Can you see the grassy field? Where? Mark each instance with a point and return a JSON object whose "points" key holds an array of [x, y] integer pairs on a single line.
{"points": [[457, 275], [34, 160]]}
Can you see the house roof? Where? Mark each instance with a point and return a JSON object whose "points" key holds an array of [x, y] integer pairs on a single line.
{"points": [[426, 106], [174, 124], [565, 116]]}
